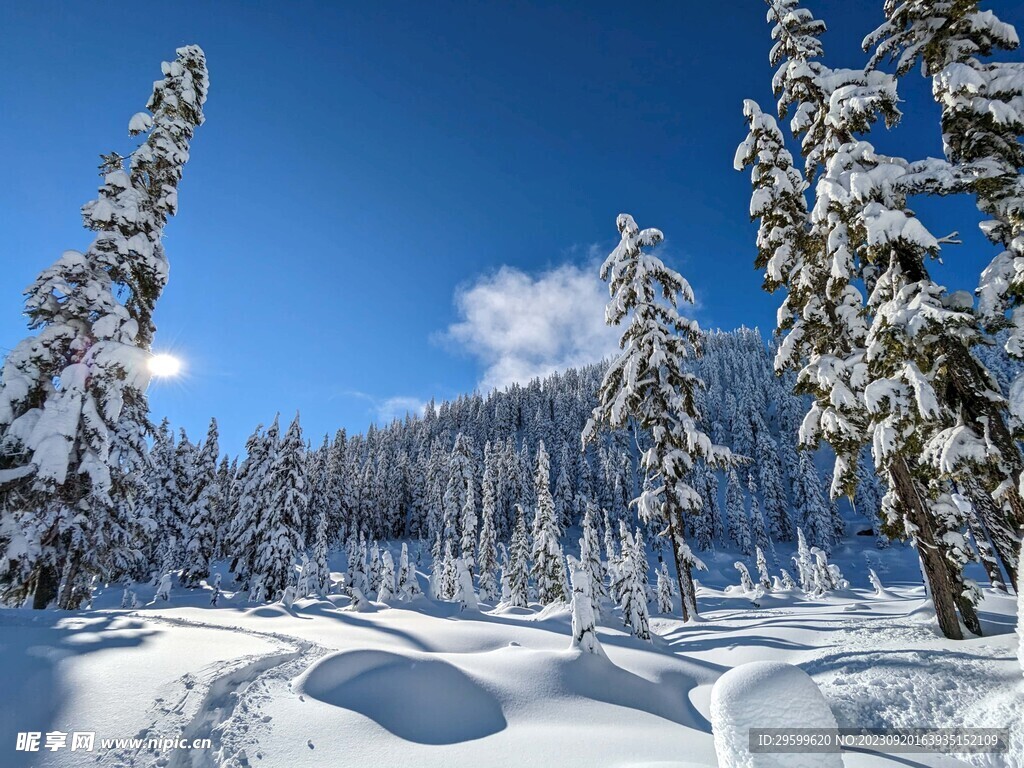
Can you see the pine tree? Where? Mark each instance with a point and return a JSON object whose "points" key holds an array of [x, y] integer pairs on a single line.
{"points": [[72, 397], [281, 541], [590, 559], [647, 384], [629, 587], [373, 575], [564, 496], [664, 590], [253, 500], [518, 574], [321, 578], [745, 581], [584, 621], [487, 553], [812, 507], [464, 585], [408, 586], [386, 593], [548, 569], [804, 563], [736, 514], [762, 571], [201, 535], [447, 574]]}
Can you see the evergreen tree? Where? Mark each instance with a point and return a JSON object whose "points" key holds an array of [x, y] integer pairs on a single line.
{"points": [[664, 590], [762, 571], [487, 553], [647, 384], [590, 559], [584, 621], [73, 409], [548, 561], [202, 498], [629, 587], [736, 514], [408, 586], [387, 578], [464, 586], [518, 564], [281, 540]]}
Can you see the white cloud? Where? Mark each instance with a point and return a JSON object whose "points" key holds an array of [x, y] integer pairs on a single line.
{"points": [[396, 407], [386, 410], [521, 326]]}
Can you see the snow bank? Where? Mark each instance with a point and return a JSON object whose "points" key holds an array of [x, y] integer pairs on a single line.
{"points": [[767, 694], [417, 698]]}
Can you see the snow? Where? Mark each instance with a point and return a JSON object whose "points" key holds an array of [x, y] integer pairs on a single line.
{"points": [[424, 683], [767, 694]]}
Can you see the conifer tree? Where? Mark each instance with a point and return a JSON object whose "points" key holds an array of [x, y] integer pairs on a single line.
{"points": [[736, 514], [464, 592], [630, 589], [447, 574], [73, 411], [201, 536], [745, 581], [590, 559], [647, 384], [584, 621], [762, 571], [548, 561], [281, 541], [519, 564], [487, 552], [664, 590], [408, 585], [387, 578]]}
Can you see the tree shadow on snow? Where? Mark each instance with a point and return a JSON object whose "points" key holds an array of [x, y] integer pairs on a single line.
{"points": [[33, 645]]}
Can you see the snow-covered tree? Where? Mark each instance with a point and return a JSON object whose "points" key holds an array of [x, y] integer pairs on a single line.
{"points": [[630, 588], [486, 550], [590, 558], [319, 569], [373, 574], [464, 592], [73, 411], [648, 385], [518, 571], [201, 536], [584, 622], [408, 586], [745, 581], [762, 571], [387, 578], [548, 561], [736, 514], [281, 540], [664, 590]]}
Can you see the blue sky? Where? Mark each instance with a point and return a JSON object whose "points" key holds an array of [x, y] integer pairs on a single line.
{"points": [[396, 201]]}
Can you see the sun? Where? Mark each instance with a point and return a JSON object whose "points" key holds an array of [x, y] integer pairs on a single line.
{"points": [[164, 365]]}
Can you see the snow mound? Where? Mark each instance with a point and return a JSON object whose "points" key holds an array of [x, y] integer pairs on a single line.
{"points": [[422, 700], [767, 694]]}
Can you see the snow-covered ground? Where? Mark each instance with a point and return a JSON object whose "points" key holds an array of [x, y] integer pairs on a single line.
{"points": [[424, 684]]}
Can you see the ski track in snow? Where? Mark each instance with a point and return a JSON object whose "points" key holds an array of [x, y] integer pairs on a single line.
{"points": [[230, 706]]}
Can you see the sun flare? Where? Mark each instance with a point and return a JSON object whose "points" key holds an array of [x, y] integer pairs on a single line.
{"points": [[164, 366]]}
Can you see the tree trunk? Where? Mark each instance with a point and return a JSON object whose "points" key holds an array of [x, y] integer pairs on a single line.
{"points": [[933, 563], [997, 526], [687, 592], [66, 600], [986, 553], [46, 582]]}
